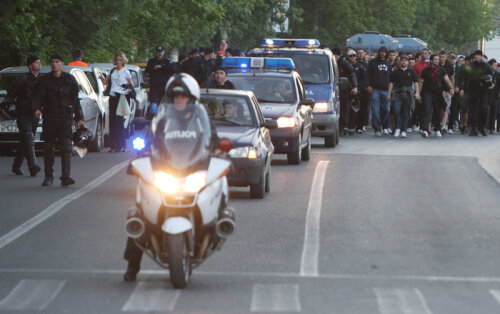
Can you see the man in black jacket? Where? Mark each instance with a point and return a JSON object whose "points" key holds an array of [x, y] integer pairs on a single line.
{"points": [[22, 93], [57, 98], [203, 67], [493, 97], [159, 70], [478, 95], [219, 81], [345, 89]]}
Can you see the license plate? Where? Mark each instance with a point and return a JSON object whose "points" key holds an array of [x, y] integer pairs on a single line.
{"points": [[8, 127]]}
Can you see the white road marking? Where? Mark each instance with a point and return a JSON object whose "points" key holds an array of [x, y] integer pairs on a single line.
{"points": [[151, 272], [401, 301], [275, 298], [32, 295], [496, 294], [310, 251], [55, 207], [152, 297]]}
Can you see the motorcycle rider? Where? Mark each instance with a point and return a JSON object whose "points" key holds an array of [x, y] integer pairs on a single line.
{"points": [[183, 92]]}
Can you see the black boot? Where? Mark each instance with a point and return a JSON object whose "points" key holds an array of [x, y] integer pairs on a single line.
{"points": [[473, 131], [34, 170], [66, 148], [17, 171], [131, 273], [65, 181], [483, 131]]}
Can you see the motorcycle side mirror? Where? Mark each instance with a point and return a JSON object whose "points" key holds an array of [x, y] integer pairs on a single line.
{"points": [[270, 124], [81, 95], [225, 144], [140, 123]]}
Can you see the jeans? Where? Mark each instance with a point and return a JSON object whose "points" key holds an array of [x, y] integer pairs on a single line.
{"points": [[380, 108], [432, 107], [402, 110], [27, 128]]}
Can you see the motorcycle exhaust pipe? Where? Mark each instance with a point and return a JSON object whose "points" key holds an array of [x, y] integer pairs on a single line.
{"points": [[226, 224], [135, 227]]}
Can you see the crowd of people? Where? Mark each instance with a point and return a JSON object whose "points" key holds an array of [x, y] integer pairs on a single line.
{"points": [[431, 94]]}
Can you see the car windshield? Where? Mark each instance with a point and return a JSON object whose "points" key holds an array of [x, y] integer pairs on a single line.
{"points": [[267, 89], [229, 110], [6, 82], [313, 69], [181, 141]]}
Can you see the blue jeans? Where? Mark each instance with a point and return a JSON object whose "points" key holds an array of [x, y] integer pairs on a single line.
{"points": [[401, 110], [380, 108]]}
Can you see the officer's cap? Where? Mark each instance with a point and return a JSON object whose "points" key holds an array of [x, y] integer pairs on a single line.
{"points": [[56, 57]]}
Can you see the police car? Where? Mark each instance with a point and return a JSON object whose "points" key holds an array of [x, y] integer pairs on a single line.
{"points": [[237, 116], [319, 72], [282, 97]]}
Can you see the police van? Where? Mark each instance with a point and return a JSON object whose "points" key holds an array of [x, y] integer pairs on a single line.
{"points": [[319, 72], [281, 96]]}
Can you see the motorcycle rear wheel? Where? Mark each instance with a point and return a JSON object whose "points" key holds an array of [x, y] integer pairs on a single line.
{"points": [[179, 260]]}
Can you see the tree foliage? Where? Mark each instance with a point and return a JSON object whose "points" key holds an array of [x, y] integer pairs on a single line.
{"points": [[102, 28]]}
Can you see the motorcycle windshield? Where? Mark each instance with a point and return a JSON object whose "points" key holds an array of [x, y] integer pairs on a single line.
{"points": [[181, 139]]}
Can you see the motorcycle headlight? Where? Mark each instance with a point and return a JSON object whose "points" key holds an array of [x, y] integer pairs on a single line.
{"points": [[170, 185], [243, 152], [286, 122], [138, 143]]}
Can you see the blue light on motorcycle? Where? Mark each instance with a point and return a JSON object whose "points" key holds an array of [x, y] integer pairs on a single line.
{"points": [[138, 143]]}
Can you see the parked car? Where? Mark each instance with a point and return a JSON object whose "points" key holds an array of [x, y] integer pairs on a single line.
{"points": [[93, 114], [237, 116], [372, 41]]}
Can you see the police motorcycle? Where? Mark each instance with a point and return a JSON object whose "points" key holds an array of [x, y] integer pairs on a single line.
{"points": [[181, 215]]}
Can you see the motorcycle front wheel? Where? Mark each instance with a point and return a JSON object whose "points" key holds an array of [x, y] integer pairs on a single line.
{"points": [[179, 260]]}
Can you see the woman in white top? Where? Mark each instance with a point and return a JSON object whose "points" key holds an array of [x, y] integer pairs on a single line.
{"points": [[119, 76]]}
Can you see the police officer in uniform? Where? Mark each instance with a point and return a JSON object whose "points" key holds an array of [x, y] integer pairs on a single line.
{"points": [[22, 94], [345, 89], [159, 70], [57, 98], [478, 96]]}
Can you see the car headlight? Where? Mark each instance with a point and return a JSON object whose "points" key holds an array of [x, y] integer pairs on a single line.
{"points": [[243, 152], [287, 122], [321, 107], [171, 185]]}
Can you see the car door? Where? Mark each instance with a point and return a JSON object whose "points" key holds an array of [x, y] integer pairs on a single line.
{"points": [[305, 112], [104, 100], [88, 99], [264, 133]]}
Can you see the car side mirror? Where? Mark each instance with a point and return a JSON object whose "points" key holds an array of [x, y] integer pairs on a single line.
{"points": [[270, 124], [145, 85], [308, 102], [140, 123]]}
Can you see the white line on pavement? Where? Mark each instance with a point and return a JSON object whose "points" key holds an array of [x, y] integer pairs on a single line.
{"points": [[151, 272], [152, 297], [310, 251], [275, 298], [401, 301], [32, 295], [496, 294], [55, 207]]}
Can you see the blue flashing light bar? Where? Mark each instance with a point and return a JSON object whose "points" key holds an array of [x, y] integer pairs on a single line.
{"points": [[258, 63], [297, 43]]}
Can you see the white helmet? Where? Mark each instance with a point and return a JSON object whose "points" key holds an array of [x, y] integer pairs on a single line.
{"points": [[184, 84]]}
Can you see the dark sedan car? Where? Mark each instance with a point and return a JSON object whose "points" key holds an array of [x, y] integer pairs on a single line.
{"points": [[282, 97], [237, 116]]}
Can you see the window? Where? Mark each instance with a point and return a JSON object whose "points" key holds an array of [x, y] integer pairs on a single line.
{"points": [[234, 109], [267, 89], [135, 79]]}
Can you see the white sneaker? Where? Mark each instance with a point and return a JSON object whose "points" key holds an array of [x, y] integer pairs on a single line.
{"points": [[416, 128], [386, 131], [403, 134], [438, 134], [397, 133], [424, 134], [389, 130], [408, 130], [450, 131], [363, 129]]}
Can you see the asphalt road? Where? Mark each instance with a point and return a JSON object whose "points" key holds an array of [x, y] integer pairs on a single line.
{"points": [[375, 225]]}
